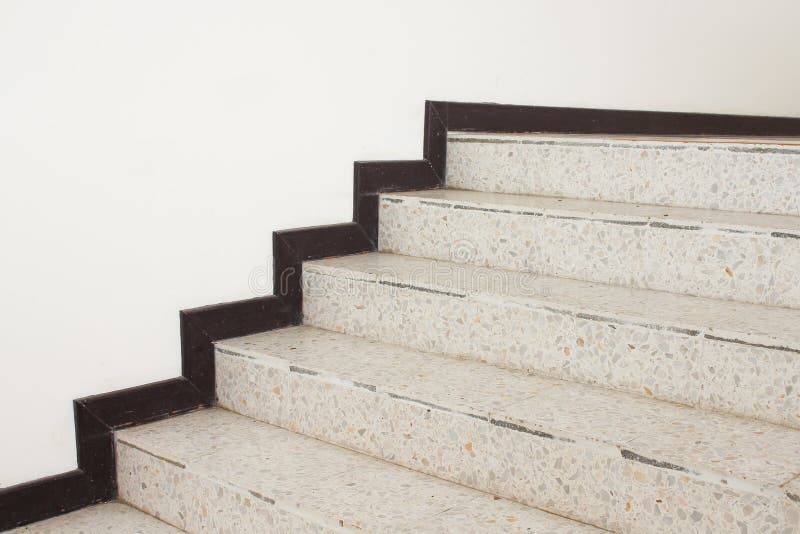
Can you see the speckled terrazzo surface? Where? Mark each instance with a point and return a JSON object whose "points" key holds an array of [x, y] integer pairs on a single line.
{"points": [[618, 211], [724, 174], [740, 259], [734, 357], [602, 329], [114, 517], [217, 471], [765, 324], [483, 423]]}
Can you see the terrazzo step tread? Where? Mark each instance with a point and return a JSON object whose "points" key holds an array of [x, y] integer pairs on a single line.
{"points": [[216, 471], [113, 517], [738, 174], [724, 255], [615, 460], [733, 357]]}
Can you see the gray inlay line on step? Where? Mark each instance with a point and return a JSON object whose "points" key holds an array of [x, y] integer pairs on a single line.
{"points": [[215, 479], [626, 222], [624, 450], [611, 320], [608, 221], [656, 224], [758, 345], [785, 235], [601, 319], [577, 314], [302, 371], [401, 285], [630, 455], [467, 207], [162, 458], [264, 498], [496, 210], [638, 145], [421, 402], [369, 387], [231, 353], [310, 372], [525, 430], [593, 317]]}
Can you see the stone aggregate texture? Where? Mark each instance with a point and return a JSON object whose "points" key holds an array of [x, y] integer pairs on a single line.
{"points": [[576, 334], [618, 461]]}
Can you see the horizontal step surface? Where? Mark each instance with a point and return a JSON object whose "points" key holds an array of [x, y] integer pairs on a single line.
{"points": [[725, 255], [111, 517], [215, 471], [728, 174], [733, 357], [619, 461]]}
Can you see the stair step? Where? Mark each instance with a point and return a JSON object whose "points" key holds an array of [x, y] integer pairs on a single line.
{"points": [[616, 460], [725, 255], [109, 517], [216, 471], [734, 357], [747, 175]]}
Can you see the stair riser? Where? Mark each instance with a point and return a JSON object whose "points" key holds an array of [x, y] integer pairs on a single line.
{"points": [[584, 480], [716, 176], [195, 502], [748, 267], [672, 364]]}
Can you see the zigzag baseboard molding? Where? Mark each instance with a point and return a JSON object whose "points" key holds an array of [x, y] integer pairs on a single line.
{"points": [[98, 417]]}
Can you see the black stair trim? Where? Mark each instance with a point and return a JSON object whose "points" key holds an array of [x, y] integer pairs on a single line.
{"points": [[94, 481], [503, 118], [43, 498], [98, 416], [443, 117], [371, 178], [290, 248], [201, 327]]}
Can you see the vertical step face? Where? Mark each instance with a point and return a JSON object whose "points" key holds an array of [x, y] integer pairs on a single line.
{"points": [[722, 255], [614, 460], [732, 357], [215, 471], [761, 176], [101, 518]]}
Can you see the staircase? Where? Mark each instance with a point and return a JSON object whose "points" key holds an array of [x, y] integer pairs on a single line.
{"points": [[578, 333]]}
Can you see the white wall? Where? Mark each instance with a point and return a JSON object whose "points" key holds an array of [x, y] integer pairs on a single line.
{"points": [[149, 148]]}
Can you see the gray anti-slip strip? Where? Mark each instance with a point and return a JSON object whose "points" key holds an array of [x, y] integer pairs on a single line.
{"points": [[545, 213], [622, 450], [638, 145], [154, 455], [580, 315]]}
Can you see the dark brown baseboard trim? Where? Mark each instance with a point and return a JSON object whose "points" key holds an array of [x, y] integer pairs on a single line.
{"points": [[98, 416], [371, 178], [201, 327], [94, 481], [290, 248], [443, 117], [43, 498], [502, 118]]}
